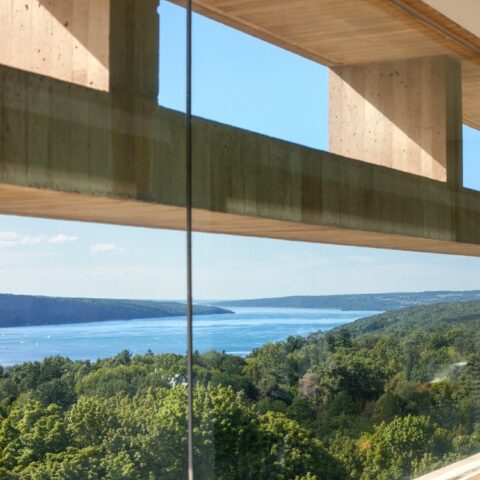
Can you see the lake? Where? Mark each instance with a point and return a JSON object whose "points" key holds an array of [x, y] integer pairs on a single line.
{"points": [[236, 333]]}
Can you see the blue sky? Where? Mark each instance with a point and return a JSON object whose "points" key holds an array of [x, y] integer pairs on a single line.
{"points": [[247, 83], [242, 81]]}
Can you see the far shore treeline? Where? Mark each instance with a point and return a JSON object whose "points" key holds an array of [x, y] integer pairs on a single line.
{"points": [[30, 310], [359, 302], [388, 397]]}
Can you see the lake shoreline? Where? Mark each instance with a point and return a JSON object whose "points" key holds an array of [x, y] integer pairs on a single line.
{"points": [[240, 331]]}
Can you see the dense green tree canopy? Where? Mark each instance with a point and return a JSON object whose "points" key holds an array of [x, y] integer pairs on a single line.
{"points": [[370, 401]]}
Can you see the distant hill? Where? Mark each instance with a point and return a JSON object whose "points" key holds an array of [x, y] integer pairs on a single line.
{"points": [[431, 318], [29, 310], [368, 301]]}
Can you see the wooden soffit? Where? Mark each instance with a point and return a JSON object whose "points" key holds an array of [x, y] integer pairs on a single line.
{"points": [[346, 32]]}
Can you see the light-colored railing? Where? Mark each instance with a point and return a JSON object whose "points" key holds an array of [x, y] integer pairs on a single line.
{"points": [[468, 469]]}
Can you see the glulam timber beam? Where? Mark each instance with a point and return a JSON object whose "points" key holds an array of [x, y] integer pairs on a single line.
{"points": [[107, 45], [403, 114], [64, 39]]}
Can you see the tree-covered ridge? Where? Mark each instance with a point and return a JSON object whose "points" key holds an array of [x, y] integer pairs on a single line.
{"points": [[359, 302], [431, 317], [344, 404], [28, 310]]}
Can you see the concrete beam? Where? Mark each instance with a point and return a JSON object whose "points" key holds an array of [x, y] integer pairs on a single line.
{"points": [[133, 48], [61, 157]]}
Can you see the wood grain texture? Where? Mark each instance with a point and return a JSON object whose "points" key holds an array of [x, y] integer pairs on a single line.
{"points": [[69, 39], [72, 152], [350, 32], [64, 39], [120, 211], [404, 114]]}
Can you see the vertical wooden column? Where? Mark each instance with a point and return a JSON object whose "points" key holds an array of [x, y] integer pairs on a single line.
{"points": [[403, 114], [134, 38], [63, 39]]}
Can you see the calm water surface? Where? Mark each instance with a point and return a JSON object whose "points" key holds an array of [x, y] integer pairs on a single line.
{"points": [[236, 333]]}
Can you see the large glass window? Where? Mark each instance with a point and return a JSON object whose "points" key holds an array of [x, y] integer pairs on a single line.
{"points": [[92, 312], [306, 175], [92, 349], [332, 361]]}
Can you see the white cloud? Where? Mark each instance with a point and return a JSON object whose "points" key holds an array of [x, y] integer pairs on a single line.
{"points": [[104, 248], [62, 238], [28, 241], [8, 239], [14, 239]]}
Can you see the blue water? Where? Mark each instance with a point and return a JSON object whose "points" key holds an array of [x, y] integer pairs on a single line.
{"points": [[236, 333]]}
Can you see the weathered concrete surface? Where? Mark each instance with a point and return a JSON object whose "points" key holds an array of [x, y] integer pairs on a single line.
{"points": [[72, 152]]}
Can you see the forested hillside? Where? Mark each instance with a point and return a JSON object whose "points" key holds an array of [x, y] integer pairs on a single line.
{"points": [[430, 318], [367, 301], [386, 398], [27, 310]]}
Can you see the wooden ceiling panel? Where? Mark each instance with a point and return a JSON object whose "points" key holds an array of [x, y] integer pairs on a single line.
{"points": [[347, 32]]}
